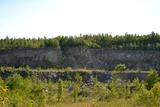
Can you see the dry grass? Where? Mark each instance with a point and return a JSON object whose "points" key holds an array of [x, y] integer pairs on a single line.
{"points": [[113, 103]]}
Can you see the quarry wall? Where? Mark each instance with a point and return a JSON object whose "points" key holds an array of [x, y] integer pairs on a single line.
{"points": [[80, 57], [71, 76]]}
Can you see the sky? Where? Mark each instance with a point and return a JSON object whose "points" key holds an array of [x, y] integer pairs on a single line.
{"points": [[50, 18]]}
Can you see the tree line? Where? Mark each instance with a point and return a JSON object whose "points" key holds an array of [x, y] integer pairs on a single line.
{"points": [[102, 41]]}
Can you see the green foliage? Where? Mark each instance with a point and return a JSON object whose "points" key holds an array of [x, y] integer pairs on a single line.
{"points": [[149, 98], [122, 90], [25, 92], [156, 89], [14, 82], [144, 98], [152, 79], [28, 68], [103, 41], [3, 94], [95, 86], [60, 91], [78, 79], [76, 86], [76, 91], [120, 67], [16, 91], [113, 89], [128, 93], [99, 89], [1, 82], [137, 85], [38, 68], [68, 69]]}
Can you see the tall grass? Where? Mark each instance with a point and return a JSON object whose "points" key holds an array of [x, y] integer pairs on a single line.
{"points": [[16, 91]]}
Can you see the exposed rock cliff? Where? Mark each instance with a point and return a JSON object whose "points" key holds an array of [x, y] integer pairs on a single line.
{"points": [[80, 57]]}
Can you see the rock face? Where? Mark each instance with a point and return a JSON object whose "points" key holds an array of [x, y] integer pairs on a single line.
{"points": [[80, 57], [44, 57], [86, 76]]}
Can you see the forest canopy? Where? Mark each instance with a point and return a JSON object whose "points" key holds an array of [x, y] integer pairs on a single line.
{"points": [[102, 41]]}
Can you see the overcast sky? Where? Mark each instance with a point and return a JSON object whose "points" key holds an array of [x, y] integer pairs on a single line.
{"points": [[38, 18]]}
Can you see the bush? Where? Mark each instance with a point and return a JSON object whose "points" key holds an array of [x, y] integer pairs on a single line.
{"points": [[78, 79], [120, 67], [144, 97], [156, 89], [3, 95], [38, 93], [152, 78], [76, 91], [60, 91], [149, 98], [113, 89], [27, 68], [15, 82], [30, 92]]}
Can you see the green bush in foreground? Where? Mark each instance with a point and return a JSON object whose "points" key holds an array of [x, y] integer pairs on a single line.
{"points": [[16, 91], [60, 91], [152, 79]]}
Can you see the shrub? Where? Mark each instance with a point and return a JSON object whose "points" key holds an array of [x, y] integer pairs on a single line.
{"points": [[27, 68], [113, 89], [86, 91], [122, 90], [144, 97], [120, 67], [60, 91], [152, 78], [102, 91], [15, 82], [128, 89], [156, 89], [1, 82], [78, 79], [38, 94], [3, 95], [137, 85], [76, 91]]}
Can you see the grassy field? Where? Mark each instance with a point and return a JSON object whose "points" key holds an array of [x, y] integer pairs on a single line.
{"points": [[113, 103]]}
